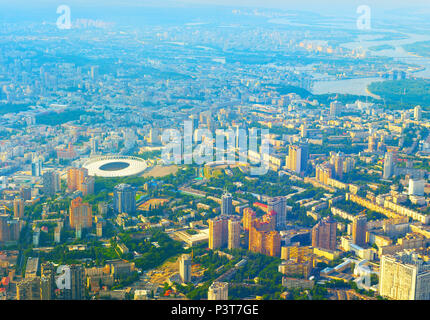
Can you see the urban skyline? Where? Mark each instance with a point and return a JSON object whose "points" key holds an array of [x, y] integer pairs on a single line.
{"points": [[214, 150]]}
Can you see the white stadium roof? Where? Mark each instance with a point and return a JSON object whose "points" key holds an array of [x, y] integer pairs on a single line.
{"points": [[115, 166]]}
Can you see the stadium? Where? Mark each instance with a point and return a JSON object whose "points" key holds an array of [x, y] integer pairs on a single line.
{"points": [[115, 166]]}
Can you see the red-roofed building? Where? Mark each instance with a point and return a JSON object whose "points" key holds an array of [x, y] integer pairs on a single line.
{"points": [[5, 281], [262, 206]]}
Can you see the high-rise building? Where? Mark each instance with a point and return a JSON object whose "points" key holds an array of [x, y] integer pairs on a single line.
{"points": [[51, 183], [303, 130], [324, 172], [75, 177], [35, 288], [388, 165], [28, 289], [336, 160], [233, 233], [4, 229], [335, 108], [25, 193], [294, 162], [14, 226], [94, 145], [185, 268], [297, 159], [272, 244], [359, 229], [416, 187], [48, 287], [78, 179], [248, 216], [348, 165], [99, 229], [9, 228], [278, 205], [154, 136], [262, 236], [36, 167], [372, 144], [80, 214], [404, 276], [324, 234], [57, 234], [18, 208], [87, 187], [218, 232], [226, 204], [124, 198], [418, 113], [102, 208], [46, 290], [94, 72], [224, 231], [218, 291], [77, 287], [304, 157]]}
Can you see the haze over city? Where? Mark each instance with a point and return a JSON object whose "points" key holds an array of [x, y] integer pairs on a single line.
{"points": [[214, 150]]}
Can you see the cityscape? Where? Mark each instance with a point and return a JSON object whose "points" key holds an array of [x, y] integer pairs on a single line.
{"points": [[195, 150]]}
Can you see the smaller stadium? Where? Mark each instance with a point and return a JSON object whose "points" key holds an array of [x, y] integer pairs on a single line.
{"points": [[115, 166]]}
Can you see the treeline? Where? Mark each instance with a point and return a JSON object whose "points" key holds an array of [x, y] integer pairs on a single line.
{"points": [[153, 256], [12, 108], [57, 118], [406, 93], [421, 48]]}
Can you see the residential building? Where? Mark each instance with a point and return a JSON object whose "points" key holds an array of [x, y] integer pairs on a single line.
{"points": [[185, 268], [80, 214], [218, 291], [124, 198], [324, 234], [227, 204], [359, 229], [233, 233], [51, 183], [404, 276]]}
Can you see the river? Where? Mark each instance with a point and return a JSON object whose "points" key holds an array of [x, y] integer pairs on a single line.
{"points": [[359, 86]]}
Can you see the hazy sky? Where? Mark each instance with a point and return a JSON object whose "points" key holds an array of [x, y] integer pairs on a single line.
{"points": [[284, 4], [346, 8]]}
